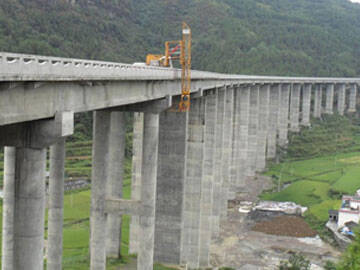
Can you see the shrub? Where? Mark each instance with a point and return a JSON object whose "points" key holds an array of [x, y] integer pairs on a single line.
{"points": [[296, 262]]}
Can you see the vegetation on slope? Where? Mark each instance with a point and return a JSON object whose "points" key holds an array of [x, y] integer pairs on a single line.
{"points": [[329, 135], [283, 37]]}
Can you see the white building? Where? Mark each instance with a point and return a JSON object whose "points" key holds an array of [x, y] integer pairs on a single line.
{"points": [[349, 211]]}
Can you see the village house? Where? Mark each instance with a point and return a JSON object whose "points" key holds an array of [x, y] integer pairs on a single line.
{"points": [[349, 211]]}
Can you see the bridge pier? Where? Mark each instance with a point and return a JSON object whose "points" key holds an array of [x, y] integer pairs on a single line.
{"points": [[244, 95], [136, 178], [24, 202], [264, 101], [56, 206], [227, 141], [253, 130], [8, 209], [169, 229], [306, 105], [115, 167], [341, 97], [218, 180], [295, 107], [99, 178], [148, 191], [317, 101], [352, 98], [29, 212], [329, 102], [235, 142], [209, 202], [284, 114], [192, 187], [273, 121]]}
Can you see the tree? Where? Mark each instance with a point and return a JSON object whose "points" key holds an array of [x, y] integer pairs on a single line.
{"points": [[351, 258]]}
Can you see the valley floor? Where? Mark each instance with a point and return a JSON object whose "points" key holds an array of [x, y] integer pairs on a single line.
{"points": [[239, 247]]}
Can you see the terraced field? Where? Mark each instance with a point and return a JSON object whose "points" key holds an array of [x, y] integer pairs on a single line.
{"points": [[317, 183]]}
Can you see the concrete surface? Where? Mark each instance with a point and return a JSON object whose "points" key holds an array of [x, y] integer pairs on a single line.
{"points": [[29, 213], [101, 130], [138, 134], [115, 180], [8, 209], [56, 206], [145, 257]]}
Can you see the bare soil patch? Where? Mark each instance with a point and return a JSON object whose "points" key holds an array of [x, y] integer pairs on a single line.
{"points": [[285, 226]]}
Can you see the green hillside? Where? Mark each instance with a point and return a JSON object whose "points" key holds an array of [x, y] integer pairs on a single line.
{"points": [[280, 37]]}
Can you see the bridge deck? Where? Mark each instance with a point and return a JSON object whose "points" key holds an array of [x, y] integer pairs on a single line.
{"points": [[22, 67], [36, 87]]}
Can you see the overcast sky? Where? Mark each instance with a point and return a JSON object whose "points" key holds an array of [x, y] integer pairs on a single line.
{"points": [[355, 1]]}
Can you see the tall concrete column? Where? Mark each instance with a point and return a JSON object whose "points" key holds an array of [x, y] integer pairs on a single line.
{"points": [[101, 130], [243, 134], [115, 181], [29, 214], [352, 98], [306, 105], [273, 121], [317, 101], [145, 257], [227, 140], [295, 107], [329, 102], [218, 181], [136, 178], [170, 200], [264, 102], [253, 130], [208, 187], [193, 182], [31, 140], [234, 129], [341, 94], [7, 261], [56, 206], [284, 114]]}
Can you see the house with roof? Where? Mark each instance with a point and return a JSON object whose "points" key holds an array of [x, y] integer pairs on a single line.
{"points": [[349, 211]]}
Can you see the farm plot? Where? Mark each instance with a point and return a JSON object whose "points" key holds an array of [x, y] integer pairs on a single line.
{"points": [[316, 183]]}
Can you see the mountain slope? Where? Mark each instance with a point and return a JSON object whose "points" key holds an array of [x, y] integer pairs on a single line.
{"points": [[279, 37]]}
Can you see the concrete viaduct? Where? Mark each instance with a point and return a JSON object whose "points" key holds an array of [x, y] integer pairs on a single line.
{"points": [[186, 166]]}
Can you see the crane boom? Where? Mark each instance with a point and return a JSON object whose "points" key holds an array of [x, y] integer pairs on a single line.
{"points": [[181, 51]]}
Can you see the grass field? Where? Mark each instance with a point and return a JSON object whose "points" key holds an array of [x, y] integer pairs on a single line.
{"points": [[317, 183], [76, 231]]}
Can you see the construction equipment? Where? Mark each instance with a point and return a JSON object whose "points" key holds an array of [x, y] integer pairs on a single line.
{"points": [[177, 50]]}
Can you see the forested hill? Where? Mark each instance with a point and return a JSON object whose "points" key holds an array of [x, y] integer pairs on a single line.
{"points": [[279, 37]]}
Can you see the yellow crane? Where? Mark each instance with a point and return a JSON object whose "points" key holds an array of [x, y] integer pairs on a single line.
{"points": [[177, 50]]}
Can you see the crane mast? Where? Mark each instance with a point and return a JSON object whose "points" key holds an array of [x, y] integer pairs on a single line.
{"points": [[177, 50], [185, 61]]}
